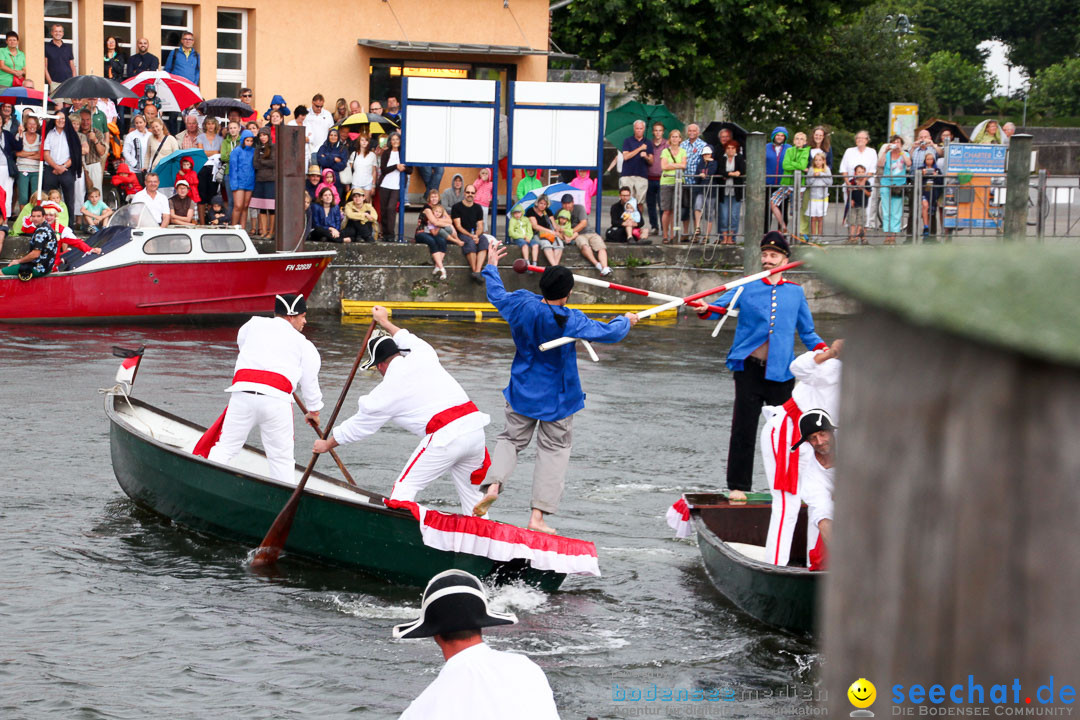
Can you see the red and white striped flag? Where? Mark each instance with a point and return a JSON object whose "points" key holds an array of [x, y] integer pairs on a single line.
{"points": [[678, 519], [130, 365]]}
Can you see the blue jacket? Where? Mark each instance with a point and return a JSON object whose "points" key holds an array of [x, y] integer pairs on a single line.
{"points": [[760, 322], [774, 160], [277, 100], [242, 165], [545, 385], [320, 218], [186, 66], [327, 154]]}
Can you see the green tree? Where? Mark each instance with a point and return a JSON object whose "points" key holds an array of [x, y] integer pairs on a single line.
{"points": [[1056, 89], [957, 82], [957, 26], [1039, 33], [683, 49]]}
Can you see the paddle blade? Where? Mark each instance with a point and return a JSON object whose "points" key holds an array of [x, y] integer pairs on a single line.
{"points": [[270, 549]]}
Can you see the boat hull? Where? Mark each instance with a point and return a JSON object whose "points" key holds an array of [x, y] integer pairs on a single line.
{"points": [[784, 597], [161, 290], [240, 506]]}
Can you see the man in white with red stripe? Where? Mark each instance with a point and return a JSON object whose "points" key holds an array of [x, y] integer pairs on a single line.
{"points": [[275, 358], [419, 395], [817, 375]]}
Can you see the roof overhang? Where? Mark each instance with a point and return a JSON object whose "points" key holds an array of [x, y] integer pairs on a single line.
{"points": [[449, 48]]}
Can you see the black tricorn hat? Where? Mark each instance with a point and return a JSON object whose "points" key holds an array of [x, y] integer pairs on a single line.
{"points": [[813, 421], [379, 349], [453, 600], [774, 240], [289, 305]]}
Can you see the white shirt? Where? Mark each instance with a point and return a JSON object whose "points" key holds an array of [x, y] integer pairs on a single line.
{"points": [[392, 178], [415, 389], [319, 125], [816, 385], [274, 345], [56, 145], [853, 156], [308, 147], [135, 149], [157, 205], [816, 487], [481, 683], [363, 170]]}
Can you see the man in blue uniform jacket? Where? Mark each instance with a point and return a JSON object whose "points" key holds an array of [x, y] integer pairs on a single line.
{"points": [[544, 391], [771, 312]]}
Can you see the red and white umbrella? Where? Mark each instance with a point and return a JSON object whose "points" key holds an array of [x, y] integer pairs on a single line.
{"points": [[176, 93]]}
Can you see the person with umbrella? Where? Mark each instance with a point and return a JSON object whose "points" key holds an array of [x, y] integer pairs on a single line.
{"points": [[12, 62]]}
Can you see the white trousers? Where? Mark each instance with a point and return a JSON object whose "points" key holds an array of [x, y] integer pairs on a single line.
{"points": [[274, 418], [785, 506], [460, 457]]}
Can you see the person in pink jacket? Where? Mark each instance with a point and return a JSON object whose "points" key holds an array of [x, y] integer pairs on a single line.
{"points": [[484, 189], [588, 186]]}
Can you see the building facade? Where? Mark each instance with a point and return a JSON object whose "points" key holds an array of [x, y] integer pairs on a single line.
{"points": [[357, 51]]}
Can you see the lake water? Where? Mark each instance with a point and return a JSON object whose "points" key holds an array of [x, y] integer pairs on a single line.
{"points": [[108, 611]]}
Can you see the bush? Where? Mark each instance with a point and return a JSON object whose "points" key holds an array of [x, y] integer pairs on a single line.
{"points": [[1056, 89]]}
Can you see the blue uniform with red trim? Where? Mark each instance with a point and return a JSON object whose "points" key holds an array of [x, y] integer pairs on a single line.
{"points": [[774, 314]]}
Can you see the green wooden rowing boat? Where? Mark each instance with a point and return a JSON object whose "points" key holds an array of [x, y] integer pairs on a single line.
{"points": [[783, 597], [336, 523]]}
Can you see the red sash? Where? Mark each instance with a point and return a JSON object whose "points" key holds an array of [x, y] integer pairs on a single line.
{"points": [[787, 461], [444, 418], [262, 377], [819, 556]]}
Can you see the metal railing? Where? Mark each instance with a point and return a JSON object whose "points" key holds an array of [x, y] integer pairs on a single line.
{"points": [[912, 208]]}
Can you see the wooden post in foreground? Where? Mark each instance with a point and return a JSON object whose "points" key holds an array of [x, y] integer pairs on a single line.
{"points": [[1017, 182], [291, 148], [754, 198], [956, 550]]}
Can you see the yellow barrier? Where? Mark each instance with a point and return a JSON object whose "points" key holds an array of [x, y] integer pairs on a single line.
{"points": [[476, 311]]}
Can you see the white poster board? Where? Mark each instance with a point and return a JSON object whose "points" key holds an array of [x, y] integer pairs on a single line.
{"points": [[450, 136]]}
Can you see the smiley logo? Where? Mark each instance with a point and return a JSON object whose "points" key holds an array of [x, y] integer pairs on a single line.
{"points": [[862, 693]]}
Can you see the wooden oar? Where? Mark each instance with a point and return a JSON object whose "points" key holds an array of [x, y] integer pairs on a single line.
{"points": [[268, 552], [559, 342], [318, 431]]}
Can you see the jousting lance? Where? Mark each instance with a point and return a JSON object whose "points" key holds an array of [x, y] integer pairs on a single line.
{"points": [[558, 342]]}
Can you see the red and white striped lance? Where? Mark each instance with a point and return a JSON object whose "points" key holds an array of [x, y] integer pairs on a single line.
{"points": [[677, 302]]}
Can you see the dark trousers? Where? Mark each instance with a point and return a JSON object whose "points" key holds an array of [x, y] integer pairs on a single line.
{"points": [[652, 199], [66, 183], [752, 392], [388, 215], [358, 231]]}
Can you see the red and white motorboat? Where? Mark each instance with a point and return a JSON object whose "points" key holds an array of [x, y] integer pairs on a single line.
{"points": [[152, 273]]}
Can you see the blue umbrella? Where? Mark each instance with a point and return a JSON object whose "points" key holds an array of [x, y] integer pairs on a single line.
{"points": [[167, 168], [555, 191]]}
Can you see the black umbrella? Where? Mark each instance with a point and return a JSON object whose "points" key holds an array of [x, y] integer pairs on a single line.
{"points": [[712, 136], [91, 86], [936, 125], [223, 106]]}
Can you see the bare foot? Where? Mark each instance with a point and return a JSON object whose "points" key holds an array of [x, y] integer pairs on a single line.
{"points": [[492, 494], [541, 526]]}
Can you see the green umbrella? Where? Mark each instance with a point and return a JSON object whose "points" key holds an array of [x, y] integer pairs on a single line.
{"points": [[620, 121]]}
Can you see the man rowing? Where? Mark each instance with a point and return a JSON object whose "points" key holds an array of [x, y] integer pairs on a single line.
{"points": [[274, 359], [419, 395], [817, 471], [544, 391], [770, 314], [818, 386]]}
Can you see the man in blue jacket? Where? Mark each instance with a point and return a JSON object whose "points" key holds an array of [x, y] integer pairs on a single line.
{"points": [[184, 60], [771, 312], [774, 165], [544, 391]]}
